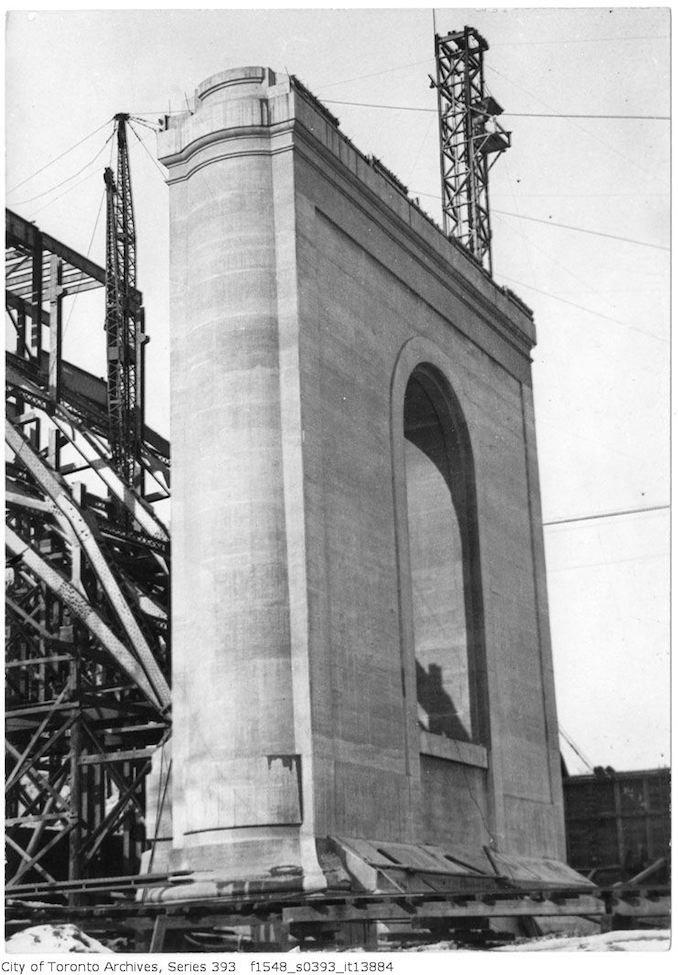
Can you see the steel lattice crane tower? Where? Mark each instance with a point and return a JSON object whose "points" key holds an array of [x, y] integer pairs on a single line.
{"points": [[124, 319], [471, 140]]}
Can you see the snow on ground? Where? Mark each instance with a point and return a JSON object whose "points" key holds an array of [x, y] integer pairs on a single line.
{"points": [[659, 940], [612, 941], [67, 938], [54, 939]]}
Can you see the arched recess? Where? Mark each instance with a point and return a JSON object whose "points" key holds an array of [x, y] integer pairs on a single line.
{"points": [[441, 604]]}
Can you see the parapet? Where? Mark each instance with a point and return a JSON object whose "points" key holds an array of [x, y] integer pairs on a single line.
{"points": [[250, 100]]}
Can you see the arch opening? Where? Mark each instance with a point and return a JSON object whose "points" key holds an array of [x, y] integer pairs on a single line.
{"points": [[443, 559]]}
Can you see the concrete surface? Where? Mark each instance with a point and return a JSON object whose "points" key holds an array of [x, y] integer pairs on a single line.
{"points": [[306, 290]]}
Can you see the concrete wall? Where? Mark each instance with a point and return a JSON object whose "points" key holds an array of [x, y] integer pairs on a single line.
{"points": [[305, 290]]}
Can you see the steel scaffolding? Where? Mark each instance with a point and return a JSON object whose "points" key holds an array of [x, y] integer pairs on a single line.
{"points": [[87, 596]]}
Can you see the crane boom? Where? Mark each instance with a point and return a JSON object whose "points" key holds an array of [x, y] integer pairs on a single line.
{"points": [[124, 319]]}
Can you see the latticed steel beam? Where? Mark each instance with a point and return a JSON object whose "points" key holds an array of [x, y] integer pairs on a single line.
{"points": [[471, 140], [72, 600], [93, 453], [53, 487], [124, 319]]}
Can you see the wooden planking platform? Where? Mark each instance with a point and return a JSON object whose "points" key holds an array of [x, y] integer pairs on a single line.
{"points": [[333, 920]]}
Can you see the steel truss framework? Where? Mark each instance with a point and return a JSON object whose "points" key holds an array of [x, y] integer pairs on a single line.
{"points": [[87, 596], [471, 140]]}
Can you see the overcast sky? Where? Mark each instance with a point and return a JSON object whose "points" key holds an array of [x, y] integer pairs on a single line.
{"points": [[601, 368]]}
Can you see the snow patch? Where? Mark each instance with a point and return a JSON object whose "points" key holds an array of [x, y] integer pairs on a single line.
{"points": [[612, 941], [54, 939]]}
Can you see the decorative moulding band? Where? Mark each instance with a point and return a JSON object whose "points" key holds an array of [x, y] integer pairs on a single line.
{"points": [[268, 144], [235, 76]]}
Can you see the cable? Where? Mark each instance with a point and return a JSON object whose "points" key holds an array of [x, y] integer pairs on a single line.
{"points": [[565, 301], [548, 294], [566, 196], [419, 151], [74, 185], [580, 280], [575, 749], [582, 196], [68, 178], [145, 148], [148, 125], [60, 195], [644, 118], [398, 108], [56, 158], [89, 248], [651, 557], [110, 157], [583, 40], [522, 232], [375, 74], [96, 222], [431, 60], [564, 115], [564, 226], [161, 111], [606, 514], [587, 132], [583, 230]]}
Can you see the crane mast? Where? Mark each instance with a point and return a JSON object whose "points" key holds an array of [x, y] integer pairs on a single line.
{"points": [[471, 140], [124, 319]]}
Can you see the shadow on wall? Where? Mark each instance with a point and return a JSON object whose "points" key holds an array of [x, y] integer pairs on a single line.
{"points": [[438, 706]]}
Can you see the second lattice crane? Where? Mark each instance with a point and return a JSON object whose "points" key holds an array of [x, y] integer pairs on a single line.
{"points": [[124, 322]]}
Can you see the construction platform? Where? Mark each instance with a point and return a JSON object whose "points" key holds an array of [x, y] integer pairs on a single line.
{"points": [[118, 910]]}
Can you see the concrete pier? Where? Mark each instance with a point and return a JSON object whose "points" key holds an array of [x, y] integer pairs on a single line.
{"points": [[314, 696]]}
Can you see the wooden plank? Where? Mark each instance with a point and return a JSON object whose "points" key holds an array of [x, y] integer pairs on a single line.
{"points": [[643, 907], [55, 329], [389, 911], [38, 710], [128, 756], [536, 871], [107, 883], [31, 820], [15, 495], [158, 936], [36, 292]]}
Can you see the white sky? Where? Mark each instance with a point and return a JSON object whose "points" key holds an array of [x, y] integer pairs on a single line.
{"points": [[601, 367]]}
